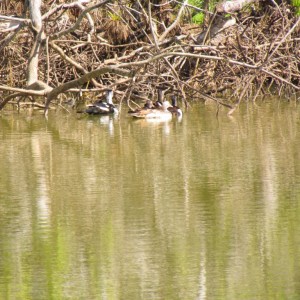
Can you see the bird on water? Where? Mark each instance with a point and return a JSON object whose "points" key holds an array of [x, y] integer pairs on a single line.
{"points": [[174, 109], [103, 107]]}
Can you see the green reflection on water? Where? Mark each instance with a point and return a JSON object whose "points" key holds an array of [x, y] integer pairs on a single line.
{"points": [[102, 208]]}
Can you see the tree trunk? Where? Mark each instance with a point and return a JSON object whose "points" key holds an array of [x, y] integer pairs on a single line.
{"points": [[33, 61]]}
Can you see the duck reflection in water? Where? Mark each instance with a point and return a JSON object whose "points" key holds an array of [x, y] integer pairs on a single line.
{"points": [[103, 107], [105, 122], [109, 122]]}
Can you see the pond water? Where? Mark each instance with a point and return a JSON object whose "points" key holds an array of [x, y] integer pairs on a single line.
{"points": [[114, 208]]}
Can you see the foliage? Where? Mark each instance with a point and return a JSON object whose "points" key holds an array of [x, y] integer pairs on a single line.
{"points": [[296, 4], [114, 17], [197, 3], [198, 18]]}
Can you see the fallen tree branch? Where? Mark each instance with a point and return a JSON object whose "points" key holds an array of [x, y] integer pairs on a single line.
{"points": [[85, 78], [23, 91], [72, 61]]}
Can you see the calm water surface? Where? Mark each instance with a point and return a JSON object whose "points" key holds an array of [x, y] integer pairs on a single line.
{"points": [[103, 208]]}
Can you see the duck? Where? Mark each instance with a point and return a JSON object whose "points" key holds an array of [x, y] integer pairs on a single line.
{"points": [[174, 109], [103, 107], [160, 95], [148, 105], [153, 113]]}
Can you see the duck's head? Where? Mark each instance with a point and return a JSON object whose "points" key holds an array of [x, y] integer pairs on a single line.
{"points": [[174, 100], [109, 95], [160, 94], [175, 109], [148, 104]]}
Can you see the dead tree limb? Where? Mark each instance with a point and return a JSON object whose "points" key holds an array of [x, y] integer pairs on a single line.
{"points": [[85, 78], [79, 19], [232, 6], [72, 62]]}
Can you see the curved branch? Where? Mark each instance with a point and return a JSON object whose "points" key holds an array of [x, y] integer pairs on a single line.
{"points": [[85, 78], [71, 61], [79, 19], [23, 91], [18, 92]]}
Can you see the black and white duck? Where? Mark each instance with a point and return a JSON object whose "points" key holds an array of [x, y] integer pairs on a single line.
{"points": [[103, 107]]}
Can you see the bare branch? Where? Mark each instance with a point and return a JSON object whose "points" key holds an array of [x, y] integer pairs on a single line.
{"points": [[172, 26], [79, 19], [23, 91], [85, 78], [71, 61]]}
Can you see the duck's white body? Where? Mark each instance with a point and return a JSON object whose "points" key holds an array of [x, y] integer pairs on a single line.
{"points": [[163, 113]]}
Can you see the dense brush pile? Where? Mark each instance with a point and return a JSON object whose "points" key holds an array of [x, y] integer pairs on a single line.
{"points": [[256, 55]]}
